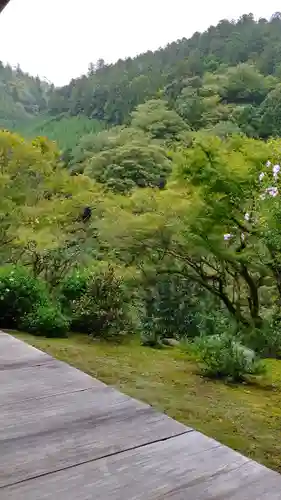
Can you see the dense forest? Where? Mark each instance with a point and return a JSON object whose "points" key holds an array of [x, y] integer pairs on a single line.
{"points": [[157, 210], [22, 97], [227, 65], [226, 78], [24, 107]]}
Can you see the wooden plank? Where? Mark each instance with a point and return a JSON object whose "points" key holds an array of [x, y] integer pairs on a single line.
{"points": [[249, 482], [38, 436], [50, 378], [16, 354], [179, 468]]}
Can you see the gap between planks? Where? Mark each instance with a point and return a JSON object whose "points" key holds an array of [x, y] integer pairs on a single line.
{"points": [[108, 455]]}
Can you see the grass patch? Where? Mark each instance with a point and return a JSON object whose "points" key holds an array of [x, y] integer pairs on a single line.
{"points": [[245, 417]]}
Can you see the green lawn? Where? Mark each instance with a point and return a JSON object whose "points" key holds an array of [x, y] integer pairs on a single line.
{"points": [[245, 417]]}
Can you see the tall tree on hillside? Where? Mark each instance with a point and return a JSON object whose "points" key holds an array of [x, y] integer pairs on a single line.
{"points": [[270, 114], [129, 162], [40, 204], [155, 118]]}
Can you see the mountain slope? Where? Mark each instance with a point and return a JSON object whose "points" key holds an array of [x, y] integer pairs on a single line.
{"points": [[65, 130], [111, 92], [217, 80], [22, 97]]}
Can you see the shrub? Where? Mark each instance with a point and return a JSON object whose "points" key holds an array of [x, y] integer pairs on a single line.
{"points": [[46, 320], [150, 334], [102, 310], [223, 357], [170, 304], [19, 292], [215, 322], [72, 288]]}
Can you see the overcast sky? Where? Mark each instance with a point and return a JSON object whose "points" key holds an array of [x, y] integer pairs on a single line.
{"points": [[58, 38]]}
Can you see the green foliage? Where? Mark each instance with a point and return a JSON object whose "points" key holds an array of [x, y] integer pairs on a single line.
{"points": [[270, 114], [46, 320], [215, 322], [22, 97], [191, 107], [19, 294], [73, 287], [65, 130], [137, 162], [158, 121], [244, 51], [205, 79], [41, 207], [266, 341], [216, 223], [91, 144], [150, 335], [223, 357], [245, 84], [170, 305], [102, 310], [26, 303], [223, 129], [183, 118]]}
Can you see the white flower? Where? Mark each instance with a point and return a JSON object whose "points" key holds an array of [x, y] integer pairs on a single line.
{"points": [[247, 216], [268, 163], [276, 170], [261, 176], [242, 236], [227, 236], [272, 191]]}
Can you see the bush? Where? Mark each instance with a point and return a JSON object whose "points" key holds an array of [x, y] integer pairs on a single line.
{"points": [[223, 357], [150, 334], [215, 322], [102, 310], [170, 304], [46, 320], [19, 292], [72, 289]]}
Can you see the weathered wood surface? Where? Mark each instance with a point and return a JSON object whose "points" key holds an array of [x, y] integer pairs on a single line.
{"points": [[40, 381], [15, 354], [58, 432], [185, 467], [66, 436]]}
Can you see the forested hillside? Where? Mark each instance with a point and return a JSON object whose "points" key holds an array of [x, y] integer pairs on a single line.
{"points": [[22, 97], [233, 64], [24, 107], [226, 79]]}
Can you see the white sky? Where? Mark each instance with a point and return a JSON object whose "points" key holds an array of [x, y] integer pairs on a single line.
{"points": [[58, 38]]}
